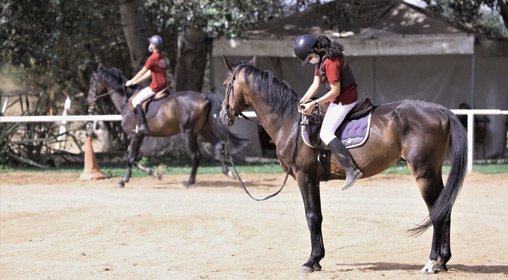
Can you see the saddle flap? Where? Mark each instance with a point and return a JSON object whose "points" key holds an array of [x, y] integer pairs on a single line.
{"points": [[151, 105], [156, 97]]}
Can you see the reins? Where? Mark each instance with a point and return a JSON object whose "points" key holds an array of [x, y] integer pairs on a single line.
{"points": [[124, 89], [97, 97], [293, 155]]}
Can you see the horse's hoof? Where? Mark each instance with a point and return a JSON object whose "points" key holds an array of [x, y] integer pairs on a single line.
{"points": [[187, 184], [431, 267], [441, 268], [120, 185], [316, 267], [231, 174], [306, 269], [157, 175]]}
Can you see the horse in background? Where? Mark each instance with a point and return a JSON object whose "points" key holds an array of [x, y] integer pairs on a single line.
{"points": [[189, 112]]}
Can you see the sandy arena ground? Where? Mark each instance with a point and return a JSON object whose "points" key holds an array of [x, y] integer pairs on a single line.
{"points": [[54, 226]]}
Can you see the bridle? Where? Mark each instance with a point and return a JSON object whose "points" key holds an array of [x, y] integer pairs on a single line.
{"points": [[230, 89], [227, 110], [97, 97]]}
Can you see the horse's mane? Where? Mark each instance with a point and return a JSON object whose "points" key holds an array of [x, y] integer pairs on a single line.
{"points": [[116, 80], [277, 93]]}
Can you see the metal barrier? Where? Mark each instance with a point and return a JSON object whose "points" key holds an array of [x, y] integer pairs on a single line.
{"points": [[470, 129], [84, 118]]}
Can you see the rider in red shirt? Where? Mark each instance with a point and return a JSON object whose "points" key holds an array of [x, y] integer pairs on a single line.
{"points": [[332, 70], [155, 67]]}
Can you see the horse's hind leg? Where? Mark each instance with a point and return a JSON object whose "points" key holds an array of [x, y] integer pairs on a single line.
{"points": [[192, 142], [430, 184], [219, 149], [446, 252]]}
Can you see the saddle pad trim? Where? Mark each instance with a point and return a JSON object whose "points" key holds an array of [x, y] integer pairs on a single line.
{"points": [[305, 137], [345, 141]]}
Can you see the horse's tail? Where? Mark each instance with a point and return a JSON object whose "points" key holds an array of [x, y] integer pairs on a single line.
{"points": [[220, 131], [442, 208]]}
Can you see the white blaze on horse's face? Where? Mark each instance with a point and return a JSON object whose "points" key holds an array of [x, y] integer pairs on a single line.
{"points": [[92, 92]]}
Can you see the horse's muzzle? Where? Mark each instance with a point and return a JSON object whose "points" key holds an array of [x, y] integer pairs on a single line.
{"points": [[91, 100], [225, 119]]}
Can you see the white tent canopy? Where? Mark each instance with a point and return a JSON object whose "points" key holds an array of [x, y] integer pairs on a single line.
{"points": [[404, 54]]}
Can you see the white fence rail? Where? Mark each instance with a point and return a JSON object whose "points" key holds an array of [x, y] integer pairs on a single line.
{"points": [[84, 118]]}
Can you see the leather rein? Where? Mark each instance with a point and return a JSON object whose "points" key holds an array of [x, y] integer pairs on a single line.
{"points": [[227, 110], [97, 97]]}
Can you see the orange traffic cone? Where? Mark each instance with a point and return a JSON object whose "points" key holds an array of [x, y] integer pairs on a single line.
{"points": [[91, 170]]}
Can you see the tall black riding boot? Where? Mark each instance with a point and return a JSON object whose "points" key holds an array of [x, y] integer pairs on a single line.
{"points": [[141, 128], [344, 157]]}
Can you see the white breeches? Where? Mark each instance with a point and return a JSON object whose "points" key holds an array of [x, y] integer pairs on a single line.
{"points": [[333, 118], [143, 95]]}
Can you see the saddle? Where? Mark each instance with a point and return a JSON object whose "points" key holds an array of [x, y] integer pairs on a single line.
{"points": [[353, 131], [152, 104]]}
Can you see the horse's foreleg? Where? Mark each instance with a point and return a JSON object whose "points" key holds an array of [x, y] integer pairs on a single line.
{"points": [[134, 144], [309, 188], [192, 142]]}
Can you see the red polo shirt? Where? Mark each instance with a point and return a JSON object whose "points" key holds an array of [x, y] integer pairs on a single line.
{"points": [[156, 63], [332, 67]]}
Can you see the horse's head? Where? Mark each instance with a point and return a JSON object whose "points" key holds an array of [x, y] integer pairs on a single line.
{"points": [[96, 87], [235, 101]]}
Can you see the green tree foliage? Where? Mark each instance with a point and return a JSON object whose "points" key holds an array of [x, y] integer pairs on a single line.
{"points": [[60, 41], [484, 15], [216, 18]]}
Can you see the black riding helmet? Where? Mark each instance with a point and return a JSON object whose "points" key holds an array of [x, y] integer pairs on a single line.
{"points": [[304, 46], [156, 40]]}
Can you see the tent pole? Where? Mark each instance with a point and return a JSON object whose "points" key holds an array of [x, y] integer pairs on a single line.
{"points": [[470, 117], [473, 75], [374, 79]]}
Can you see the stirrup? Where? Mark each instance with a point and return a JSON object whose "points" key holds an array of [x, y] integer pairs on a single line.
{"points": [[137, 131]]}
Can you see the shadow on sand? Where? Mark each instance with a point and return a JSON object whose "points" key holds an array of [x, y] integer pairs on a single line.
{"points": [[383, 266]]}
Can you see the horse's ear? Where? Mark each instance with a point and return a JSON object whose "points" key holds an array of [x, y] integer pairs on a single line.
{"points": [[228, 64], [252, 61], [100, 66]]}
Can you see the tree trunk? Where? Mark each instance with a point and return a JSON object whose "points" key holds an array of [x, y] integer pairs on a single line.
{"points": [[192, 53], [136, 31], [503, 10]]}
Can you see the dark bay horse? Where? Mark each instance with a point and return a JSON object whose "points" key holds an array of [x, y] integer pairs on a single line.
{"points": [[417, 132], [192, 113]]}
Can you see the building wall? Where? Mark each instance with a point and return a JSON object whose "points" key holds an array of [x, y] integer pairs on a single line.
{"points": [[442, 79]]}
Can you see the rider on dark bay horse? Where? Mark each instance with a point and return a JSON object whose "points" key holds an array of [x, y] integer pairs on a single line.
{"points": [[332, 70], [156, 66]]}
